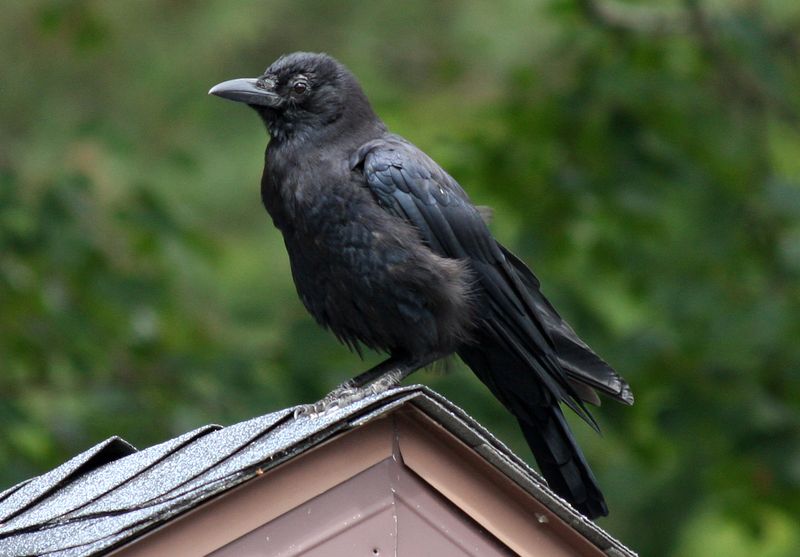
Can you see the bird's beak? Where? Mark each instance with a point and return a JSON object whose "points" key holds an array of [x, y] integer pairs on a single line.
{"points": [[252, 91]]}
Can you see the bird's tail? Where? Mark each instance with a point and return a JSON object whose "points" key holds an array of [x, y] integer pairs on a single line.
{"points": [[561, 461], [543, 424]]}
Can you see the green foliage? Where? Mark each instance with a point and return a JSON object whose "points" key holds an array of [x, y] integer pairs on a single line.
{"points": [[644, 159]]}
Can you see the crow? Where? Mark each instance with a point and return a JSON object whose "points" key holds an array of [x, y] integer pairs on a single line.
{"points": [[388, 252]]}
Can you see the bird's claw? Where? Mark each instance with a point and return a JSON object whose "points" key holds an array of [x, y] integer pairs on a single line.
{"points": [[346, 394], [309, 410], [338, 397], [383, 383]]}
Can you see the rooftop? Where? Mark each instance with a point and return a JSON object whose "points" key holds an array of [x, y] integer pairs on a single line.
{"points": [[113, 493]]}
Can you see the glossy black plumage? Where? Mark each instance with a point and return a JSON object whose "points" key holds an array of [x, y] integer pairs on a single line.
{"points": [[387, 251]]}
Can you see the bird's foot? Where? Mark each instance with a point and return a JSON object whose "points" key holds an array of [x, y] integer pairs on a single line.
{"points": [[348, 393], [384, 383], [333, 399], [310, 410]]}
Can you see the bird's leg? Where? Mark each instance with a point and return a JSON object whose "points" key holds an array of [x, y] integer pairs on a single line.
{"points": [[349, 391], [385, 375], [375, 380], [387, 366]]}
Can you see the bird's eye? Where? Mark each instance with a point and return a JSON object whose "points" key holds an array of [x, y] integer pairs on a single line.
{"points": [[300, 87]]}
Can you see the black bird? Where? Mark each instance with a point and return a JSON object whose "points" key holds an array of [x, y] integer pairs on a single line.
{"points": [[387, 251]]}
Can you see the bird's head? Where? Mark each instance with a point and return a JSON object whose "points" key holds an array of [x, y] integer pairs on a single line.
{"points": [[301, 95]]}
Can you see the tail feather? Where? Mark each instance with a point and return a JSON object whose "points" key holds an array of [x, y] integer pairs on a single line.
{"points": [[562, 463], [560, 460], [532, 361]]}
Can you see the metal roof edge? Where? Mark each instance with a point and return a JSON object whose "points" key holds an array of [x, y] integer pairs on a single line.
{"points": [[469, 431]]}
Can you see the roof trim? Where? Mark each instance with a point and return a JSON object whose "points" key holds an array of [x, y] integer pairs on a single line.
{"points": [[464, 427]]}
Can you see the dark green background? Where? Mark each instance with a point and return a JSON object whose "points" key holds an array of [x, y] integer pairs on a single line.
{"points": [[643, 158]]}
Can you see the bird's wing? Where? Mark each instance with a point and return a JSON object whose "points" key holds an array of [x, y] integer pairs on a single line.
{"points": [[575, 356], [410, 185]]}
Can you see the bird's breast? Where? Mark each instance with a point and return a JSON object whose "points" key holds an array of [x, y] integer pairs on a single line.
{"points": [[309, 191]]}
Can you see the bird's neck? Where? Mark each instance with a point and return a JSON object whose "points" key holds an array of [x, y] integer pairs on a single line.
{"points": [[354, 124]]}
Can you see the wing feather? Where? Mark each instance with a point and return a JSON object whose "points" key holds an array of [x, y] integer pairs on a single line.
{"points": [[409, 185]]}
